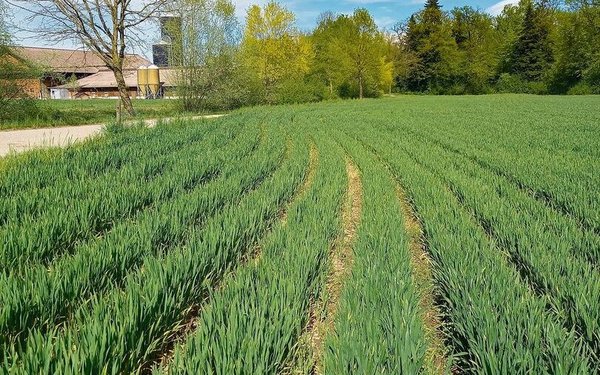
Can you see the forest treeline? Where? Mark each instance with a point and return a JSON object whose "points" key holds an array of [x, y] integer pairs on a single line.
{"points": [[538, 47]]}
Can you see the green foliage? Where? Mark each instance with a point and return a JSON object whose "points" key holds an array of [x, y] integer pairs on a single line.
{"points": [[477, 41], [532, 53], [308, 90], [550, 49], [583, 88], [351, 55], [512, 83], [429, 38], [273, 51], [15, 105], [592, 74]]}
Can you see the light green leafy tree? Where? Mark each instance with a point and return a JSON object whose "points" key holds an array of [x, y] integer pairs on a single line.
{"points": [[273, 50], [352, 54]]}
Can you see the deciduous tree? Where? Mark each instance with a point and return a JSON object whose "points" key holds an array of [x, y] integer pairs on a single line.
{"points": [[330, 64], [273, 49], [351, 51], [479, 48], [577, 53]]}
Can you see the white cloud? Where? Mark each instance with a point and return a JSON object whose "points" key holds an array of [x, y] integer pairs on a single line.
{"points": [[497, 8]]}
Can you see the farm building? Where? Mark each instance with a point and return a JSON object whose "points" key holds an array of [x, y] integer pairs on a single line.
{"points": [[103, 85], [59, 66]]}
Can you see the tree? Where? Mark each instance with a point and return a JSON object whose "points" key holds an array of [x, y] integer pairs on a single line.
{"points": [[207, 35], [352, 52], [478, 44], [508, 26], [366, 49], [106, 28], [577, 58], [432, 14], [405, 58], [14, 71], [273, 50], [532, 53], [429, 37], [330, 63], [4, 35]]}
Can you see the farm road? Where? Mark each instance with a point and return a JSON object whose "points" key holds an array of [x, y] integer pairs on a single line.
{"points": [[23, 140]]}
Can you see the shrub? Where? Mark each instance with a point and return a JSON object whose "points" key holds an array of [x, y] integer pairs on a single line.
{"points": [[510, 83], [581, 88], [592, 76], [301, 91]]}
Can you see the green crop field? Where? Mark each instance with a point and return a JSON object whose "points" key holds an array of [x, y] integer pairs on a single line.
{"points": [[403, 235], [54, 113]]}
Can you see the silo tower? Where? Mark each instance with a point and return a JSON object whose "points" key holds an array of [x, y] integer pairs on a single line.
{"points": [[170, 36]]}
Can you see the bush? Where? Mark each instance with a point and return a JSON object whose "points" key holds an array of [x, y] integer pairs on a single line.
{"points": [[511, 83], [592, 76], [15, 110], [301, 91], [538, 88], [351, 90], [581, 88]]}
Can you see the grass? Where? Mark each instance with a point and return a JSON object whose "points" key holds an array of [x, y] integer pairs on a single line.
{"points": [[56, 113]]}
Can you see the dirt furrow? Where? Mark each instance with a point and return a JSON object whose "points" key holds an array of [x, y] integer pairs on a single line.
{"points": [[435, 358]]}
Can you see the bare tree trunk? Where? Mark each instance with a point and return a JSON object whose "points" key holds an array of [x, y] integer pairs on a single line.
{"points": [[360, 87], [124, 93]]}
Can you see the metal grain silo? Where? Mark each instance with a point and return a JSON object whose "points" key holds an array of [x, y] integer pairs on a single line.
{"points": [[153, 80], [142, 81]]}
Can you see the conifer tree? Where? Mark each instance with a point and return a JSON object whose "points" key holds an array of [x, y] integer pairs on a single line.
{"points": [[432, 14], [532, 53], [430, 37]]}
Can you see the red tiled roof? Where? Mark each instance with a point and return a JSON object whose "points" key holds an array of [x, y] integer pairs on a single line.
{"points": [[72, 61]]}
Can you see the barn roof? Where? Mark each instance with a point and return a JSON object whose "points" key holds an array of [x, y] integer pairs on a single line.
{"points": [[72, 61], [106, 79]]}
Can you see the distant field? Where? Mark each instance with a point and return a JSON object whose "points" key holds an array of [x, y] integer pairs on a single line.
{"points": [[403, 235], [54, 113]]}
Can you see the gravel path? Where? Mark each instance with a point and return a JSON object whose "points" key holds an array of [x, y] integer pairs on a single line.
{"points": [[23, 140]]}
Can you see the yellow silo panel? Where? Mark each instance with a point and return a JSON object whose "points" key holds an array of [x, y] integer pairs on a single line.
{"points": [[142, 79], [153, 79]]}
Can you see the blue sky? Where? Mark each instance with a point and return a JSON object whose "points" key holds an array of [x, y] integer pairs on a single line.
{"points": [[385, 12]]}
